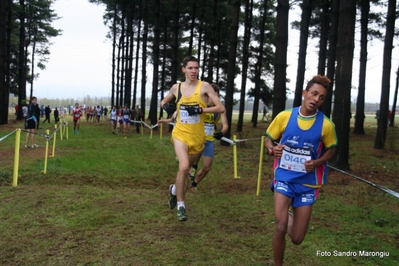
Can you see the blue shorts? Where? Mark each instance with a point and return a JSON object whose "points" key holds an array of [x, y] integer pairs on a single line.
{"points": [[209, 149], [301, 195], [126, 120]]}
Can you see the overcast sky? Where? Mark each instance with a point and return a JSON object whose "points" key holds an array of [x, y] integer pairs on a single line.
{"points": [[80, 60]]}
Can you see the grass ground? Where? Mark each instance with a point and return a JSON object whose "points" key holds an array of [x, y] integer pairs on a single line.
{"points": [[103, 201]]}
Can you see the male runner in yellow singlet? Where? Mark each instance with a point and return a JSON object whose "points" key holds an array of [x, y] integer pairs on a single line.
{"points": [[188, 135]]}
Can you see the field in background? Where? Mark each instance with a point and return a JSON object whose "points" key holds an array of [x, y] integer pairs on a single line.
{"points": [[370, 117], [103, 201]]}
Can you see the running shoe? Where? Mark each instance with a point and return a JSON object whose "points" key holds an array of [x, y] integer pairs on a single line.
{"points": [[192, 173], [27, 146], [193, 188], [35, 146], [181, 214], [172, 198]]}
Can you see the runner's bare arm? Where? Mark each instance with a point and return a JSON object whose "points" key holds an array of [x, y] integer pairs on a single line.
{"points": [[208, 92], [225, 124], [170, 96]]}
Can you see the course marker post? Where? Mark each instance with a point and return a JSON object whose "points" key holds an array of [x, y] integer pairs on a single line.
{"points": [[16, 158], [66, 129], [54, 139], [160, 131], [46, 154], [262, 146], [61, 128], [151, 132], [235, 157]]}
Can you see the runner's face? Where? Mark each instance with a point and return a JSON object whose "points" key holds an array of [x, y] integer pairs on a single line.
{"points": [[191, 70], [313, 99]]}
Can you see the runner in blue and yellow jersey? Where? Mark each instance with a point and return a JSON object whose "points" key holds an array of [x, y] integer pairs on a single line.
{"points": [[306, 140]]}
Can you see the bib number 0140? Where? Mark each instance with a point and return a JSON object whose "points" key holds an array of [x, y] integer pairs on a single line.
{"points": [[294, 159]]}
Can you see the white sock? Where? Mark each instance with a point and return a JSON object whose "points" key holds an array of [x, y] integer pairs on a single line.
{"points": [[174, 190], [180, 204]]}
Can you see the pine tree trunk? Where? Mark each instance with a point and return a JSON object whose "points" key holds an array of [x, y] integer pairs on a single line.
{"points": [[395, 100], [175, 41], [136, 68], [4, 93], [303, 45], [113, 102], [258, 67], [245, 56], [324, 28], [129, 55], [21, 60], [155, 59], [386, 76], [342, 100], [144, 62], [280, 63], [332, 40], [359, 116], [232, 62]]}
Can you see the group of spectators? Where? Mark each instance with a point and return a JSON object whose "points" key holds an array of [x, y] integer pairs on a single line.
{"points": [[92, 113], [44, 112]]}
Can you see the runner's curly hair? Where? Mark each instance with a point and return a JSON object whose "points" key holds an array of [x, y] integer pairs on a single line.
{"points": [[319, 79]]}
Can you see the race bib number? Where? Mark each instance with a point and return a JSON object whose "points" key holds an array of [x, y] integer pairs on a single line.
{"points": [[188, 119], [294, 158], [209, 129]]}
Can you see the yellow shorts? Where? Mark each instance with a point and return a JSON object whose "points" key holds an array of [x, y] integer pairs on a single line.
{"points": [[194, 142]]}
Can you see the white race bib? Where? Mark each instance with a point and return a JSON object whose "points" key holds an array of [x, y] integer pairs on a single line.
{"points": [[188, 119], [294, 158], [209, 129]]}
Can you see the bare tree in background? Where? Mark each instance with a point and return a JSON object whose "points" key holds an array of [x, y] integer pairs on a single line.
{"points": [[232, 62], [342, 100], [386, 76], [303, 45], [280, 65]]}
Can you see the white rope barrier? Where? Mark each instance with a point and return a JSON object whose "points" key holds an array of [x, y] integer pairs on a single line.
{"points": [[242, 140], [387, 190], [6, 136]]}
